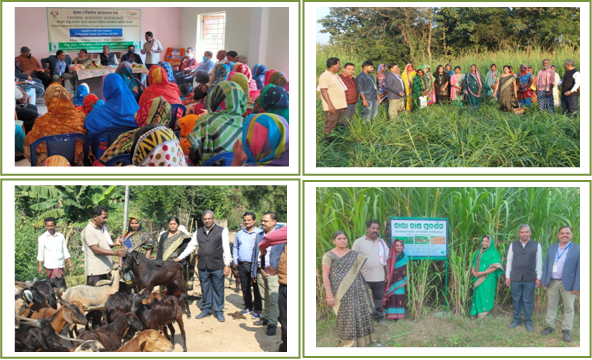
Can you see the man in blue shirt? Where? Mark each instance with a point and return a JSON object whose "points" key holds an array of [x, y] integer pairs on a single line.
{"points": [[206, 65], [59, 66], [368, 91], [242, 253]]}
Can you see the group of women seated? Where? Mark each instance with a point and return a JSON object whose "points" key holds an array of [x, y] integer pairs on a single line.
{"points": [[236, 110]]}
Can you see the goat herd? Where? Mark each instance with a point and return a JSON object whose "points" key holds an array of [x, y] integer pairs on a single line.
{"points": [[47, 320]]}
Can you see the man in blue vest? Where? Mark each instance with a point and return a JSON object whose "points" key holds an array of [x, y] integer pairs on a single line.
{"points": [[523, 274], [561, 278]]}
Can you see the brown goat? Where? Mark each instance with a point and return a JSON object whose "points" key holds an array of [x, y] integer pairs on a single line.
{"points": [[110, 335], [147, 341]]}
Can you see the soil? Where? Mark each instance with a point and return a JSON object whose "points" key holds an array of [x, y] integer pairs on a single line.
{"points": [[210, 335]]}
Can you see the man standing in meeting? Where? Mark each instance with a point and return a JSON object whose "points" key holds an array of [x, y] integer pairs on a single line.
{"points": [[375, 270], [332, 95], [152, 49], [523, 274], [561, 278]]}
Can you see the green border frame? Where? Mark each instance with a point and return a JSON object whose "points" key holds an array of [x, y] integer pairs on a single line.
{"points": [[394, 169], [17, 181], [433, 258], [194, 3], [333, 183]]}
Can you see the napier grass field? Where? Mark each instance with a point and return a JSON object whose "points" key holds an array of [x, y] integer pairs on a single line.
{"points": [[436, 315], [451, 136]]}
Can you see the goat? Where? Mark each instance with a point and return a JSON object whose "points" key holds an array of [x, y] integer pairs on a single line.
{"points": [[152, 298], [35, 335], [46, 288], [160, 314], [117, 304], [90, 346], [150, 273], [23, 299], [110, 335], [20, 286], [147, 341], [67, 314], [237, 281]]}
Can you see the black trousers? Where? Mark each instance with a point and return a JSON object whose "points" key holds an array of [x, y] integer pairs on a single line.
{"points": [[45, 79], [27, 115], [283, 319], [92, 280], [246, 284], [569, 105], [377, 294]]}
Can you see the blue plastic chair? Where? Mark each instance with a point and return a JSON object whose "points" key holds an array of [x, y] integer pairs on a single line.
{"points": [[64, 145], [109, 136], [174, 112], [227, 157], [125, 158]]}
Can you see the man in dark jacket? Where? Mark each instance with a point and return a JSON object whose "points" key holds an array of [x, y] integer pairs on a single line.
{"points": [[523, 273], [107, 57], [59, 66], [561, 279], [570, 89], [131, 56], [22, 78], [395, 90]]}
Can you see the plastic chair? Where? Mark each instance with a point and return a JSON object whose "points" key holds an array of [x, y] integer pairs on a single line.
{"points": [[109, 135], [174, 112], [126, 158], [227, 157], [64, 145]]}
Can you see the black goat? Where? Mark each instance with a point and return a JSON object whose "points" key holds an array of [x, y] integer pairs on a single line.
{"points": [[33, 335], [150, 273], [46, 288], [110, 335]]}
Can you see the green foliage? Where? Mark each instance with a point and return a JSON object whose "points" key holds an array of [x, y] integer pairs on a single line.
{"points": [[471, 212], [25, 256]]}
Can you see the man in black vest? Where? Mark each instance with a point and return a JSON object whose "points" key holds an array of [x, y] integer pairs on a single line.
{"points": [[524, 271], [213, 263], [570, 89]]}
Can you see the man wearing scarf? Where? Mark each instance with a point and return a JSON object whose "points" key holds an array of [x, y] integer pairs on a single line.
{"points": [[375, 269], [545, 83]]}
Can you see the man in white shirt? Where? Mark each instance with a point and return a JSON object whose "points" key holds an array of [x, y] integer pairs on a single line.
{"points": [[152, 49], [213, 263], [52, 251]]}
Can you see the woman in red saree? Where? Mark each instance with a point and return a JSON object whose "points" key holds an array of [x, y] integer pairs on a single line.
{"points": [[159, 85]]}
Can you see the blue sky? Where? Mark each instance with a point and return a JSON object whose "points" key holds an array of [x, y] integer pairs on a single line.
{"points": [[321, 13]]}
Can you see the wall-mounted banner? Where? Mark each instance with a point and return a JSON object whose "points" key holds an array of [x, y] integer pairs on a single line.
{"points": [[423, 237], [72, 29]]}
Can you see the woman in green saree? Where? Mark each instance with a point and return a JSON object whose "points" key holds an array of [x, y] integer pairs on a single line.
{"points": [[348, 294], [135, 239], [394, 298], [472, 86], [171, 244], [487, 267], [419, 88], [491, 81]]}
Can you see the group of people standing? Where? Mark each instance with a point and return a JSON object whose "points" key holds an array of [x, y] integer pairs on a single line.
{"points": [[413, 89], [368, 282]]}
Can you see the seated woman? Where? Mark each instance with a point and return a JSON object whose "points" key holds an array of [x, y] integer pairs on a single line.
{"points": [[394, 298], [157, 145], [169, 71], [259, 71], [506, 90], [62, 117], [273, 100], [241, 80], [252, 85], [159, 85], [196, 105], [216, 132], [125, 71], [156, 112], [81, 91], [278, 78], [83, 58], [90, 102], [119, 110], [348, 293], [221, 72], [266, 140]]}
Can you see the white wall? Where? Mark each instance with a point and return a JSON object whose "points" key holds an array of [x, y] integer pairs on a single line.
{"points": [[278, 55]]}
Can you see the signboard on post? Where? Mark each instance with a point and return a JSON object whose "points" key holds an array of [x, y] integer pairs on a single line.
{"points": [[423, 237], [72, 29]]}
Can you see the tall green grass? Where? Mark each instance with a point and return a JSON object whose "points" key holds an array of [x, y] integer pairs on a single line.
{"points": [[453, 136], [471, 212]]}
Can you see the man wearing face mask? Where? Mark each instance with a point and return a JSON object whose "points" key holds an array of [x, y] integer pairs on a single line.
{"points": [[207, 64], [152, 49], [131, 56], [31, 66], [185, 68]]}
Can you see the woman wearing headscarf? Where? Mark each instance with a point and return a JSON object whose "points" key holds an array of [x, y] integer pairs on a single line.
{"points": [[441, 81], [159, 85], [125, 71], [491, 81], [456, 86], [169, 70], [243, 82], [524, 91], [278, 78], [419, 89], [90, 102], [200, 91], [259, 71], [157, 145], [273, 100], [348, 293], [472, 87], [430, 83], [221, 72], [486, 269], [380, 80], [507, 96], [138, 240], [62, 117], [216, 132], [394, 295], [533, 87], [119, 110], [171, 244], [408, 76], [265, 142], [81, 91]]}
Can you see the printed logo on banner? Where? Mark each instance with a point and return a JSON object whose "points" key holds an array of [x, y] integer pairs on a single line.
{"points": [[54, 13]]}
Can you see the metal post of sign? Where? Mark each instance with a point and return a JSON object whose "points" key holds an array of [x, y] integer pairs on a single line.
{"points": [[446, 286]]}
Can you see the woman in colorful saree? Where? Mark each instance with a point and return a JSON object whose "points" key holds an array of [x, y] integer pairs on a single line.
{"points": [[487, 267], [259, 71], [135, 239], [62, 117], [472, 87], [430, 83], [419, 89], [348, 294], [525, 92], [157, 145], [242, 80], [125, 71], [171, 244], [169, 70], [159, 85], [90, 102], [278, 78], [456, 85], [508, 94], [408, 76], [441, 81], [217, 131], [394, 298], [265, 142], [221, 72], [273, 100], [380, 80], [491, 82]]}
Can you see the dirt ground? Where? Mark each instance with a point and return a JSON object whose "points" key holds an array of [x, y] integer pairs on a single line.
{"points": [[210, 335]]}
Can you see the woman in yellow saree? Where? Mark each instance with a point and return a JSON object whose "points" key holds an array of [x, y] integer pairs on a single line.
{"points": [[408, 76]]}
